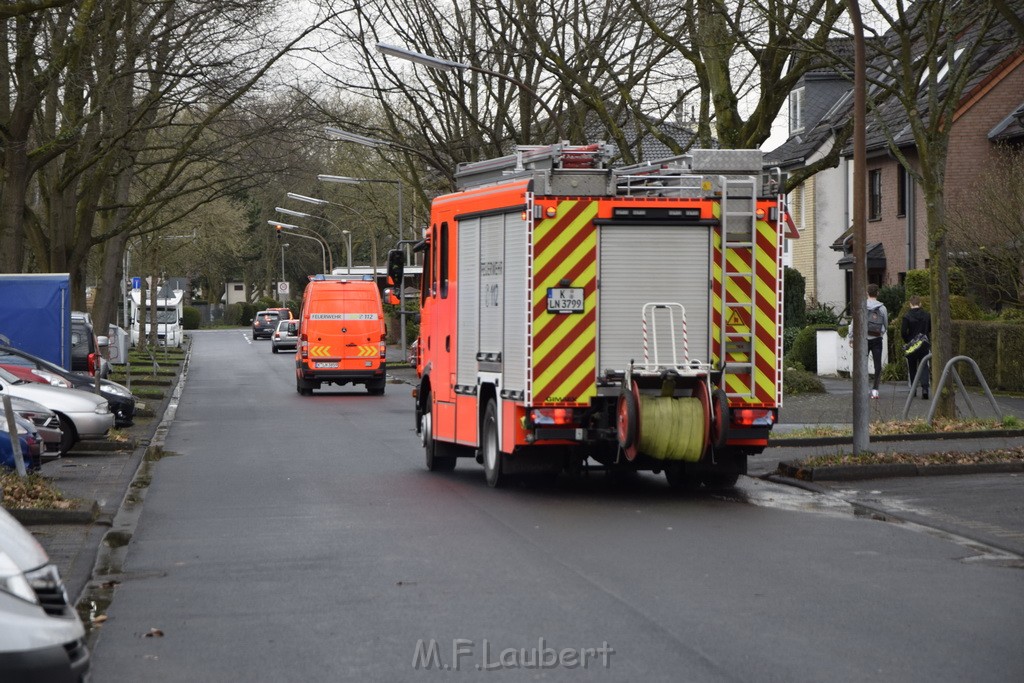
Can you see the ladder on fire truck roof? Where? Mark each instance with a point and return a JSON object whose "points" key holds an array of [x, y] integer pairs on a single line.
{"points": [[739, 280], [528, 159]]}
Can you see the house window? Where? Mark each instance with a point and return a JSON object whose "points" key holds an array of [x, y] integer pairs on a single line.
{"points": [[875, 194], [901, 200], [796, 111], [238, 288]]}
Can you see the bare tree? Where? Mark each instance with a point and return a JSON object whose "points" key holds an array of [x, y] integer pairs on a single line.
{"points": [[927, 60]]}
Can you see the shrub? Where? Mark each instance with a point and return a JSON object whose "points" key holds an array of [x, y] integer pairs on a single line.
{"points": [[1012, 314], [796, 381], [191, 318], [895, 370], [822, 314], [805, 347], [788, 339], [962, 308], [892, 296], [793, 305], [917, 282]]}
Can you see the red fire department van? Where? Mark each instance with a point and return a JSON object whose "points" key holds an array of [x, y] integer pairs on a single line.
{"points": [[341, 335]]}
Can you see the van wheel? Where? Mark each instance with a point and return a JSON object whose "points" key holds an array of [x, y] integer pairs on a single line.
{"points": [[493, 462], [437, 455], [376, 387], [303, 388]]}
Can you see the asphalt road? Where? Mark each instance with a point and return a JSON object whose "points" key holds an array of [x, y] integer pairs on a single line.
{"points": [[296, 538]]}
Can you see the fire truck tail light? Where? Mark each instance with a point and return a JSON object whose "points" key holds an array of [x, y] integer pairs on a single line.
{"points": [[552, 416], [752, 417]]}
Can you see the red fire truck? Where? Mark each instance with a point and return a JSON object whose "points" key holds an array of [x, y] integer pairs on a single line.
{"points": [[576, 315]]}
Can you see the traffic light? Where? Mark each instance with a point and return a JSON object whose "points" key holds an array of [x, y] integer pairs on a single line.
{"points": [[278, 227], [396, 267]]}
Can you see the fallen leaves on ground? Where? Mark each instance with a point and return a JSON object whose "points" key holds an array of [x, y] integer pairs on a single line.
{"points": [[938, 426], [1000, 455], [34, 492]]}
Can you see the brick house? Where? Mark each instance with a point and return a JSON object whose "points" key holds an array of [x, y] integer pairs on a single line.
{"points": [[990, 112]]}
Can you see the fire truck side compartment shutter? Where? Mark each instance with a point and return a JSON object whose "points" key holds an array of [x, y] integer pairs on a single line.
{"points": [[492, 295], [469, 292], [639, 264], [516, 290]]}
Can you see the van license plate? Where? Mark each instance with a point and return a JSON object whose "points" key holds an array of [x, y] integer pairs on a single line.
{"points": [[324, 364]]}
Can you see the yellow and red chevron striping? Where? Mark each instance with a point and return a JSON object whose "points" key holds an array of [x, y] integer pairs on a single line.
{"points": [[563, 346], [739, 289]]}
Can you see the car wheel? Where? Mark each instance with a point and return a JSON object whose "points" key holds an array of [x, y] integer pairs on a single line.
{"points": [[273, 349], [493, 462], [436, 459], [69, 435]]}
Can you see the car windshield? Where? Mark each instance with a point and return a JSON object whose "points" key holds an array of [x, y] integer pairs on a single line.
{"points": [[163, 315], [9, 357]]}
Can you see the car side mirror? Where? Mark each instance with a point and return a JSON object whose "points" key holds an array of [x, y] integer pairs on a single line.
{"points": [[102, 341]]}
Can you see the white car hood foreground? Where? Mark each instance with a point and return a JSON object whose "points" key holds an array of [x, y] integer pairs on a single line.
{"points": [[24, 625], [57, 398], [19, 545]]}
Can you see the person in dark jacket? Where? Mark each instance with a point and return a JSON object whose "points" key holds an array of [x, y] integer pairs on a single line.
{"points": [[916, 322]]}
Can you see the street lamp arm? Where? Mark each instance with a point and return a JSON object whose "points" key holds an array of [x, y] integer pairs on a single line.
{"points": [[448, 65], [319, 239]]}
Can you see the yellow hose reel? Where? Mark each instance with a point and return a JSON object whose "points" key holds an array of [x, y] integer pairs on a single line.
{"points": [[664, 427]]}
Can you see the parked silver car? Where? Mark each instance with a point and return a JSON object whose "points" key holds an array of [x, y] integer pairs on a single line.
{"points": [[43, 638], [82, 415]]}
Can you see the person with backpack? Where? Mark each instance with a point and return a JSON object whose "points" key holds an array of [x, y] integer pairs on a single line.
{"points": [[878, 321], [916, 328]]}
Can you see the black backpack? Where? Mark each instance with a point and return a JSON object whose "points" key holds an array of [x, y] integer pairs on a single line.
{"points": [[876, 322]]}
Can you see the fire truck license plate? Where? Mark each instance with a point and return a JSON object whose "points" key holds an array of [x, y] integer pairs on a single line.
{"points": [[325, 364], [565, 299]]}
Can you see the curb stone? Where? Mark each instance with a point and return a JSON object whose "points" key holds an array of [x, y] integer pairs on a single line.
{"points": [[87, 514], [798, 471]]}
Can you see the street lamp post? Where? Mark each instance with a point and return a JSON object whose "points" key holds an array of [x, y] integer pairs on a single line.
{"points": [[303, 214], [448, 65], [318, 239], [283, 278], [348, 248]]}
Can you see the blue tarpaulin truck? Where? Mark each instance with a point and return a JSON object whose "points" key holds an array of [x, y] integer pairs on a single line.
{"points": [[35, 314]]}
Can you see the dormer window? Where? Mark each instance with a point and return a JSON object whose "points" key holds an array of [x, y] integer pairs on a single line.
{"points": [[796, 111]]}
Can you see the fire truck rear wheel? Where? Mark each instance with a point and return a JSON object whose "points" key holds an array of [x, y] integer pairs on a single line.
{"points": [[436, 460], [493, 464]]}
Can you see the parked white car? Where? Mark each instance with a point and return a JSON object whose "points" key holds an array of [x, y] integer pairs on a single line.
{"points": [[43, 637], [82, 415]]}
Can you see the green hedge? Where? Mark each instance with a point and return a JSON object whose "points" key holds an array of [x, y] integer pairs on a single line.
{"points": [[190, 318], [998, 349], [794, 307]]}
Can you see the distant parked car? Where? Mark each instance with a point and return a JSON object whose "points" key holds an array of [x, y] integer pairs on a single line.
{"points": [[85, 347], [121, 400], [264, 324], [286, 336], [82, 415], [43, 637]]}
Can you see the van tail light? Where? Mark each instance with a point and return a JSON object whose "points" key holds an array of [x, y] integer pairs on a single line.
{"points": [[383, 350], [304, 347]]}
